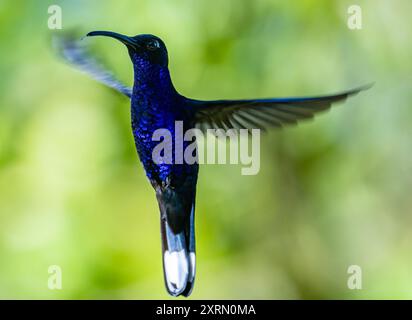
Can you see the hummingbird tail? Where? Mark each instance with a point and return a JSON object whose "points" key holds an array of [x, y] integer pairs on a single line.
{"points": [[179, 258]]}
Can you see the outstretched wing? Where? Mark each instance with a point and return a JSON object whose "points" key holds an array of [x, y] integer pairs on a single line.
{"points": [[262, 113], [75, 53]]}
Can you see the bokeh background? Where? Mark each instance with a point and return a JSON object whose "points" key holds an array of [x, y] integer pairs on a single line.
{"points": [[331, 193]]}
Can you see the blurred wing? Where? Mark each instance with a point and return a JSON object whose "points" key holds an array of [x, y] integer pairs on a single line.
{"points": [[76, 54], [262, 113]]}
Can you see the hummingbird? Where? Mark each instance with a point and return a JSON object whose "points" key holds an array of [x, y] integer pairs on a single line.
{"points": [[155, 103]]}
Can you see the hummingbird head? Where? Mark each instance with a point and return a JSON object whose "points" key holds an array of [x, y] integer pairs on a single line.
{"points": [[144, 46]]}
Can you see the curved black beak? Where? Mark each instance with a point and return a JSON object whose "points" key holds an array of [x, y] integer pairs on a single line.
{"points": [[128, 41]]}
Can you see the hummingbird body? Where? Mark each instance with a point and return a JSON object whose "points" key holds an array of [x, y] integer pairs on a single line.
{"points": [[156, 105]]}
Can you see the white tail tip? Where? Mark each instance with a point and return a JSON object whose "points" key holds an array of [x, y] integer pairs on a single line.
{"points": [[176, 265]]}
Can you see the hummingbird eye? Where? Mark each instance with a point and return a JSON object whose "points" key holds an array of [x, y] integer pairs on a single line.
{"points": [[153, 45]]}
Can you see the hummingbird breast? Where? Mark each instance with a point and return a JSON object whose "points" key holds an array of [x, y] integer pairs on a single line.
{"points": [[149, 113]]}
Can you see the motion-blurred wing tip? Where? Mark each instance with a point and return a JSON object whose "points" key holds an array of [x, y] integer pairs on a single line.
{"points": [[361, 88]]}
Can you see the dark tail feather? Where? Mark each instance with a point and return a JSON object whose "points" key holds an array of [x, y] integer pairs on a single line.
{"points": [[179, 258]]}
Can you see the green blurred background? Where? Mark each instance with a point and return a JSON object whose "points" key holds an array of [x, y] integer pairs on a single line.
{"points": [[330, 193]]}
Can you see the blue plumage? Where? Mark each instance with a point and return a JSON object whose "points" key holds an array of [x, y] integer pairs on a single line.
{"points": [[156, 104]]}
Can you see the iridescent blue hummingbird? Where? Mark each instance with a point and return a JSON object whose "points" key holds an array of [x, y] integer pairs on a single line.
{"points": [[155, 104]]}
